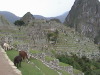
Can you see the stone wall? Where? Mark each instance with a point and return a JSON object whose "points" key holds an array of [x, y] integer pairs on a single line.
{"points": [[53, 64], [10, 62], [95, 55]]}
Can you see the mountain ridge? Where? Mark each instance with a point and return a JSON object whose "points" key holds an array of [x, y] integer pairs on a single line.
{"points": [[84, 17], [4, 21], [9, 16], [12, 17]]}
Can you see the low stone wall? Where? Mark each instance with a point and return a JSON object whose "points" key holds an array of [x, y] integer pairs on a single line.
{"points": [[53, 64], [10, 62], [95, 55]]}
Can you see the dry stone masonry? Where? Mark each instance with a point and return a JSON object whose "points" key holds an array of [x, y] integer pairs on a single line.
{"points": [[53, 64]]}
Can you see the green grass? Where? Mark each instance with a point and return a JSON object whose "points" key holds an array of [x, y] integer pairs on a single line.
{"points": [[34, 51], [47, 58], [63, 64], [64, 72], [77, 71], [29, 69], [44, 69], [26, 69], [12, 54]]}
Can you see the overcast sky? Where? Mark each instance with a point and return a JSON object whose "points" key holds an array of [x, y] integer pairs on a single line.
{"points": [[47, 8]]}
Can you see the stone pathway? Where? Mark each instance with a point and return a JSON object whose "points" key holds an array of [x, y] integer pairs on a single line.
{"points": [[6, 66]]}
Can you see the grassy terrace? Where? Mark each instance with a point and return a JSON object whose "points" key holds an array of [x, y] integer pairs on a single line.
{"points": [[38, 68], [47, 58], [44, 69], [72, 45], [63, 64], [77, 71], [35, 51]]}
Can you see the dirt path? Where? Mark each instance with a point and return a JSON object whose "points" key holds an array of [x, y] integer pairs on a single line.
{"points": [[6, 66]]}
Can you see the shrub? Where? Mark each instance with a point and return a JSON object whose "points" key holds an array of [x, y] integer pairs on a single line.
{"points": [[52, 36], [19, 23], [57, 20], [89, 67]]}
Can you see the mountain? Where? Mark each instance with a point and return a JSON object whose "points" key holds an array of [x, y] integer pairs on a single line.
{"points": [[84, 16], [27, 18], [62, 17], [9, 16], [39, 17], [4, 21], [12, 17]]}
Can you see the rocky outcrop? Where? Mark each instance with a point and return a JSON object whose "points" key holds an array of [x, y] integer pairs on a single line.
{"points": [[85, 17], [27, 18]]}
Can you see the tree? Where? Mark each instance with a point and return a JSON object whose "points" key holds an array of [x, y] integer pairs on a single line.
{"points": [[19, 23], [54, 19], [52, 36]]}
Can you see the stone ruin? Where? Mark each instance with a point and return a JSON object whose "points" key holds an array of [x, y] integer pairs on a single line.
{"points": [[53, 64]]}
